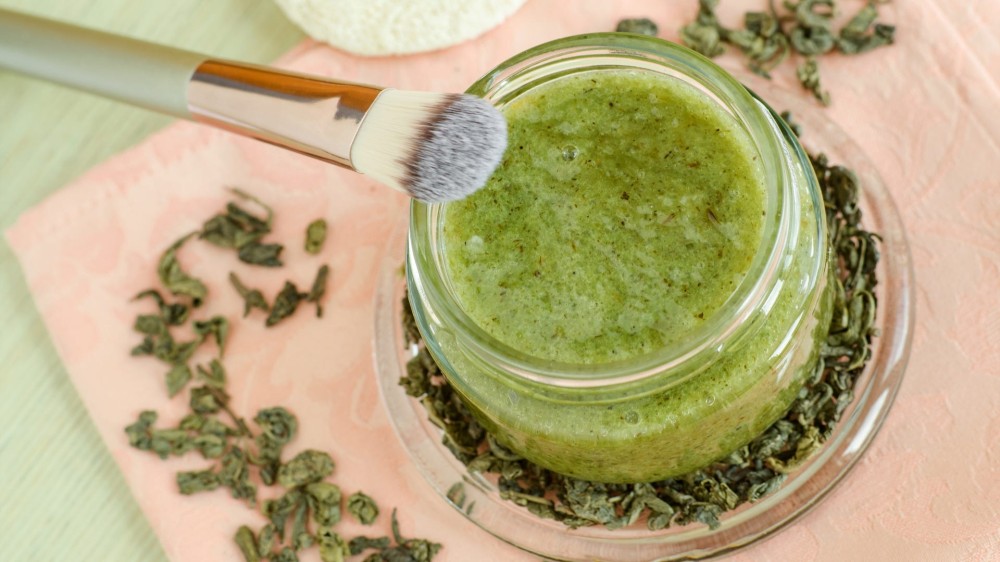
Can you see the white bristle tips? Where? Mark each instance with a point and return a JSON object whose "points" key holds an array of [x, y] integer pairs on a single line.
{"points": [[435, 147]]}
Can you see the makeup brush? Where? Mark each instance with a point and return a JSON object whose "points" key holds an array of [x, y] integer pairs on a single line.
{"points": [[434, 147]]}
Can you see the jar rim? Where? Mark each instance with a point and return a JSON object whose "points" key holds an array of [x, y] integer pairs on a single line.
{"points": [[727, 324]]}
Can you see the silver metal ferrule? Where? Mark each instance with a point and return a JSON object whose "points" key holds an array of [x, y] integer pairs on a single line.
{"points": [[307, 114]]}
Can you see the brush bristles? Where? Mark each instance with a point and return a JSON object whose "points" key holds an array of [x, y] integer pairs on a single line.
{"points": [[434, 147]]}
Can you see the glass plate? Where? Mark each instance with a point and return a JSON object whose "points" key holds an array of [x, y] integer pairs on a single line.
{"points": [[803, 489]]}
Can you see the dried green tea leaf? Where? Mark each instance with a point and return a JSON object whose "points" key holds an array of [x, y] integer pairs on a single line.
{"points": [[197, 481], [286, 555], [255, 253], [812, 41], [216, 327], [410, 331], [332, 548], [145, 348], [214, 375], [813, 13], [456, 494], [284, 304], [177, 377], [307, 467], [204, 400], [766, 42], [319, 289], [315, 236], [658, 521], [704, 35], [855, 37], [706, 513], [417, 550], [150, 324], [718, 493], [248, 544], [266, 540], [641, 26], [139, 434], [277, 423], [808, 73], [362, 507], [762, 41], [173, 314], [225, 232], [252, 298], [361, 544], [278, 511], [268, 458], [164, 348], [235, 475], [175, 279], [324, 502], [266, 222], [210, 446], [165, 442], [300, 534]]}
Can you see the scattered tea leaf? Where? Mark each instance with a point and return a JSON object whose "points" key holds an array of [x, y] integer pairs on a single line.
{"points": [[225, 232], [204, 401], [266, 540], [362, 507], [808, 73], [361, 544], [284, 304], [252, 298], [175, 279], [641, 26], [235, 475], [216, 327], [267, 221], [197, 481], [177, 377], [247, 544], [767, 41], [855, 37], [214, 376], [300, 534], [286, 555], [332, 548], [319, 289], [279, 510], [138, 433], [173, 314], [277, 424], [456, 494], [704, 34], [255, 253], [278, 427], [307, 467], [315, 236], [309, 502], [324, 502]]}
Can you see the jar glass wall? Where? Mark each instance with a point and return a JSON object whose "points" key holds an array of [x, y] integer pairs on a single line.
{"points": [[677, 407]]}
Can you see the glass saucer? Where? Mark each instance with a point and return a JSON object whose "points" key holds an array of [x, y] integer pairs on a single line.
{"points": [[874, 391]]}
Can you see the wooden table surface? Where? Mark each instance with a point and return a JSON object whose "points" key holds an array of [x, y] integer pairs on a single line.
{"points": [[61, 495]]}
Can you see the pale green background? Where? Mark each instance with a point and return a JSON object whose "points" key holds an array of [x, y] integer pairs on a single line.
{"points": [[61, 495]]}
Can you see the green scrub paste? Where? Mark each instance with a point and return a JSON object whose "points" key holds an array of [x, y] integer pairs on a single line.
{"points": [[625, 213]]}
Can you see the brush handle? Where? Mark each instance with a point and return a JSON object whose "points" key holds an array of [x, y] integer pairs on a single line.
{"points": [[307, 114]]}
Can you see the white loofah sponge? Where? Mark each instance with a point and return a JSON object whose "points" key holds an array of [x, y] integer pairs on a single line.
{"points": [[395, 27]]}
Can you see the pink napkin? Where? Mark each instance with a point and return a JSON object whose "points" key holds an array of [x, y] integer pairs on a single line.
{"points": [[924, 110]]}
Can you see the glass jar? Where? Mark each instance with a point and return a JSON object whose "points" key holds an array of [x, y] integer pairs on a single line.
{"points": [[677, 408]]}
